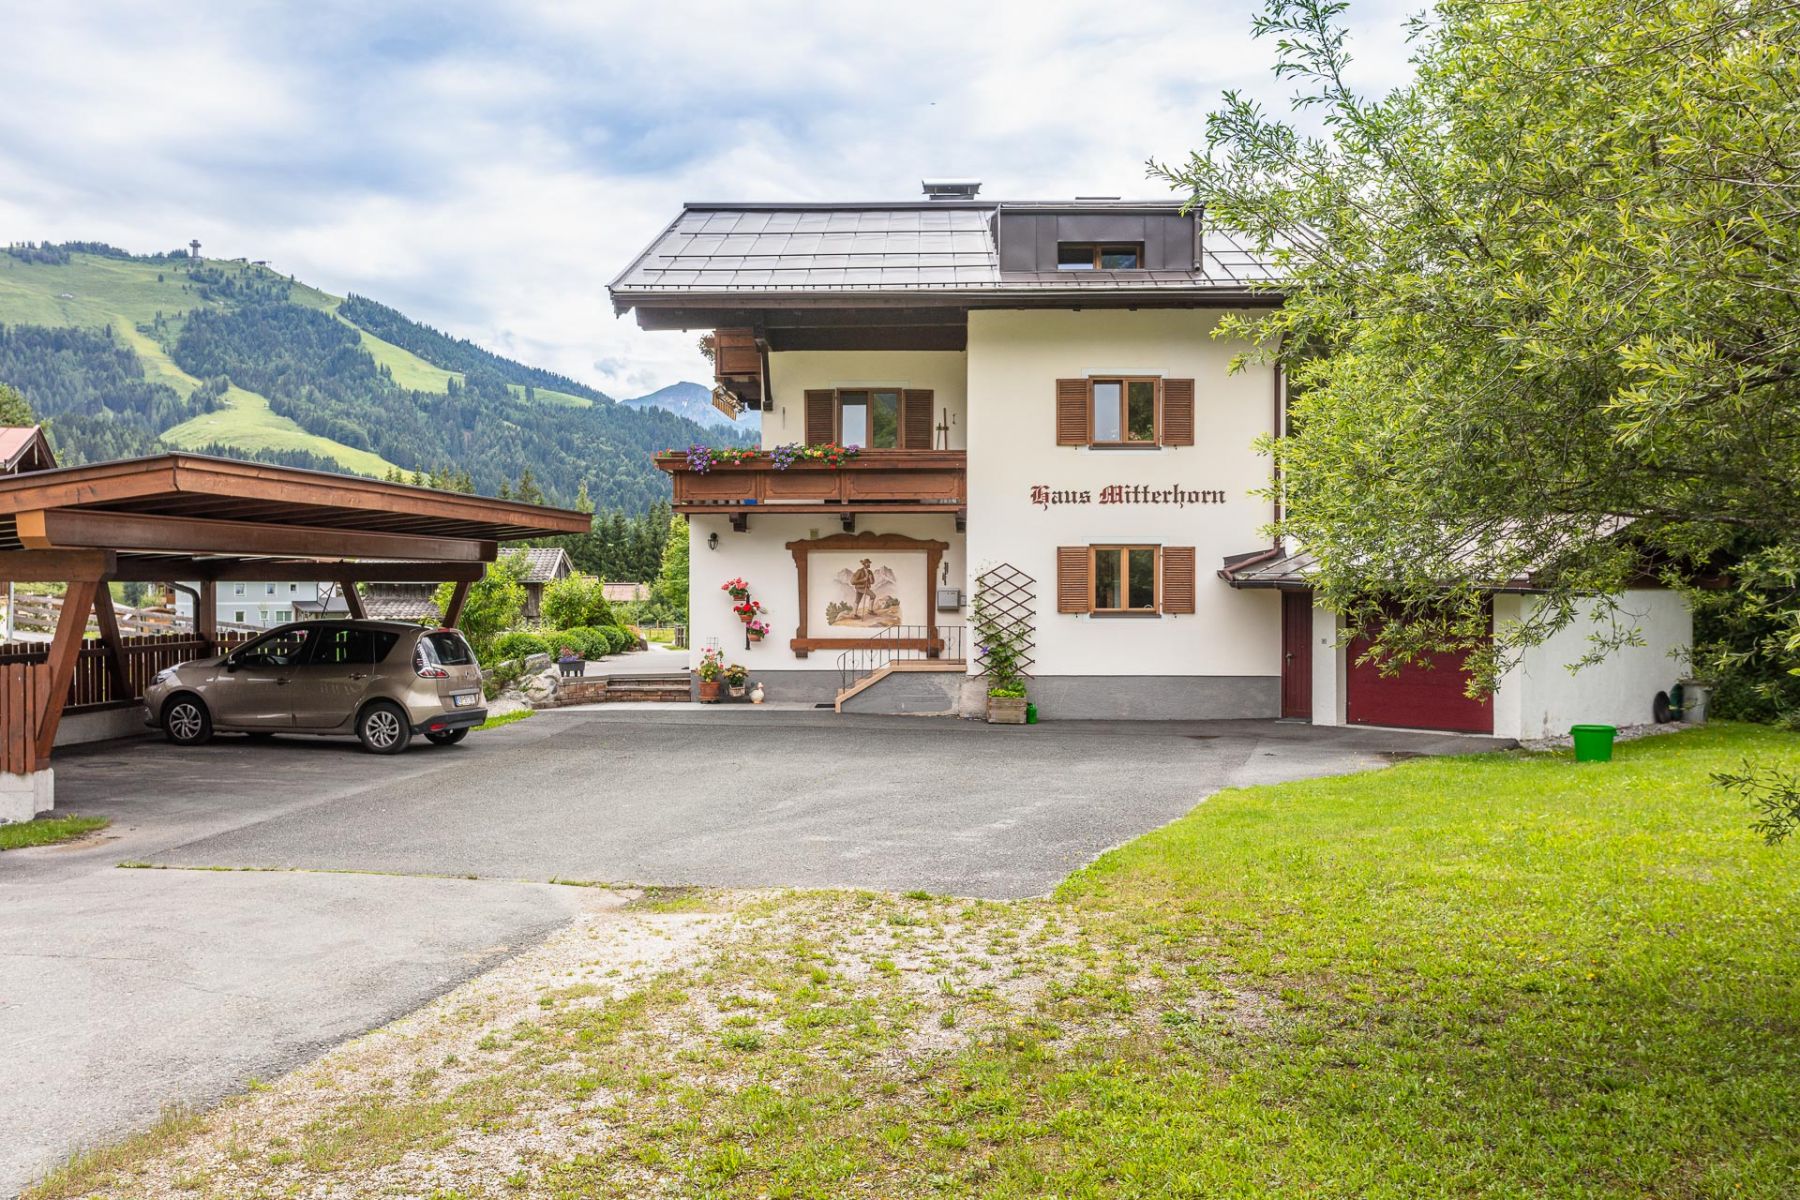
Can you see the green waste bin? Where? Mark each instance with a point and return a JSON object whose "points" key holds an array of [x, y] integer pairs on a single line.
{"points": [[1593, 743]]}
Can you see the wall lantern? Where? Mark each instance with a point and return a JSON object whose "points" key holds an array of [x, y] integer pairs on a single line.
{"points": [[712, 540]]}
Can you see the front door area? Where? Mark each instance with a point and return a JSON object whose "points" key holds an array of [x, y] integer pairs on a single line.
{"points": [[1296, 655]]}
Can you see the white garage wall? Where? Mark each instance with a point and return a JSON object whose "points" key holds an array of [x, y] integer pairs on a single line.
{"points": [[1539, 697]]}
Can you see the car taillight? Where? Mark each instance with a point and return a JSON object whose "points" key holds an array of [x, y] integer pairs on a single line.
{"points": [[426, 670]]}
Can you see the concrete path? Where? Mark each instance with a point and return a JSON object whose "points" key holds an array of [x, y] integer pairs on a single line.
{"points": [[122, 990]]}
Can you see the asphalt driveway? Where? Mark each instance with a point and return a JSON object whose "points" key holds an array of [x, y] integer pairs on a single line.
{"points": [[122, 990]]}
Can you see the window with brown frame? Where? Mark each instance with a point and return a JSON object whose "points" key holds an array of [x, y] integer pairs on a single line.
{"points": [[1124, 412], [870, 418], [1125, 578], [1099, 256]]}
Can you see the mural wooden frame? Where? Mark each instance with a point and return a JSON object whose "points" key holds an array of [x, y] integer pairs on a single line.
{"points": [[931, 643]]}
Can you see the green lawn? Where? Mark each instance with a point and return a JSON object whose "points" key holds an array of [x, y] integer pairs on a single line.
{"points": [[47, 831], [1503, 975]]}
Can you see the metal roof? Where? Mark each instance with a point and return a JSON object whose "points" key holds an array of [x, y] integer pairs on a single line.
{"points": [[917, 248]]}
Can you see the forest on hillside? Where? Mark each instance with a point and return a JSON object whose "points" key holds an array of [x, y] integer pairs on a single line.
{"points": [[314, 371]]}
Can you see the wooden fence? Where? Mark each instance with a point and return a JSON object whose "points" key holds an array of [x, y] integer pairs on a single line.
{"points": [[21, 694], [95, 685], [33, 610]]}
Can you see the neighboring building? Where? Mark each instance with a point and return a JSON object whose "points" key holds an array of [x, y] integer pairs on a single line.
{"points": [[1037, 395], [401, 602], [262, 605], [625, 593], [542, 566], [24, 448]]}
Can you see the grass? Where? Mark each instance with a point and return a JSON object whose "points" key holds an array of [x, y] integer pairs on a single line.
{"points": [[1504, 975], [247, 422], [506, 718], [47, 831]]}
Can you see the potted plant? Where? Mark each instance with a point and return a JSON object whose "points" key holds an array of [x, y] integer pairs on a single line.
{"points": [[1003, 652], [711, 668], [736, 677], [757, 630], [570, 661], [747, 610], [737, 589]]}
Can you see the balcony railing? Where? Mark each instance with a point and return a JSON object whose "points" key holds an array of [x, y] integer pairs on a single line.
{"points": [[873, 481]]}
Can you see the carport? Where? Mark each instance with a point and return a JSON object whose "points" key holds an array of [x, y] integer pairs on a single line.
{"points": [[177, 517]]}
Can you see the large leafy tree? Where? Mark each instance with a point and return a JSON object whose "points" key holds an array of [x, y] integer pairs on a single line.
{"points": [[13, 409], [1543, 303]]}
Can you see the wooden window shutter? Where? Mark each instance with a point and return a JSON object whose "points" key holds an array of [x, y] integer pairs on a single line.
{"points": [[1178, 412], [1072, 592], [821, 417], [1073, 397], [915, 420], [1178, 579]]}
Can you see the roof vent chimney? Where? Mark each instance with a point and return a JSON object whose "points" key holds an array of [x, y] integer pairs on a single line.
{"points": [[951, 189]]}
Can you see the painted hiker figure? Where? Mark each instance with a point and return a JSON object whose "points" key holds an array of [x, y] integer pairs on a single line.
{"points": [[863, 581]]}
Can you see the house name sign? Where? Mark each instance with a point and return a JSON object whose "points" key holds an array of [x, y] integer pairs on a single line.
{"points": [[1127, 493]]}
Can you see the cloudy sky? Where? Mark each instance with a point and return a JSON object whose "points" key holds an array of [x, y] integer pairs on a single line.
{"points": [[487, 168]]}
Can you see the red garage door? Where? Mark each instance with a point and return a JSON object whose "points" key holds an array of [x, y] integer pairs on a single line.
{"points": [[1419, 697]]}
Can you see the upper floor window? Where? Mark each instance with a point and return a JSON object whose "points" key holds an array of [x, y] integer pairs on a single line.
{"points": [[1099, 256], [1124, 411], [870, 419]]}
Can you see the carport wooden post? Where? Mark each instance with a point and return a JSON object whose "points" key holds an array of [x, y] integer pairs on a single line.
{"points": [[106, 618], [206, 613], [453, 611], [65, 648], [353, 600]]}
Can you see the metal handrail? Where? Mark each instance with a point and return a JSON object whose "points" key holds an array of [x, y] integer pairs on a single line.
{"points": [[860, 662]]}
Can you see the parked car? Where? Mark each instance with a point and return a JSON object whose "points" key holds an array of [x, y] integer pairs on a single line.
{"points": [[382, 681]]}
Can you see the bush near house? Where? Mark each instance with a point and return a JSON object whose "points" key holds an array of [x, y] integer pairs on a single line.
{"points": [[520, 644], [576, 601]]}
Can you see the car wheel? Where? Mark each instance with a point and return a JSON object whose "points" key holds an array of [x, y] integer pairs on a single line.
{"points": [[447, 737], [186, 721], [383, 728]]}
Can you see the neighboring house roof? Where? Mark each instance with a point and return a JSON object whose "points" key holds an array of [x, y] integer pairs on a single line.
{"points": [[542, 565], [916, 249], [24, 448], [626, 592]]}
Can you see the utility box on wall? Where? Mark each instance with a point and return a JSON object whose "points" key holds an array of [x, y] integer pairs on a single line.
{"points": [[949, 599]]}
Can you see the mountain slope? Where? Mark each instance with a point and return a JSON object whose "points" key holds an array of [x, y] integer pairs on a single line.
{"points": [[244, 361], [690, 400]]}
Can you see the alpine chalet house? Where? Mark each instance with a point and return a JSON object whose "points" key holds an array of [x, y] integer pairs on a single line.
{"points": [[1038, 412]]}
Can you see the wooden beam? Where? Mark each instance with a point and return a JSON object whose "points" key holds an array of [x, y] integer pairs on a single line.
{"points": [[458, 595], [165, 569], [106, 618], [206, 613], [60, 528], [54, 566], [65, 648], [353, 601]]}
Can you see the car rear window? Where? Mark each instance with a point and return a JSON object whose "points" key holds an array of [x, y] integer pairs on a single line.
{"points": [[447, 648]]}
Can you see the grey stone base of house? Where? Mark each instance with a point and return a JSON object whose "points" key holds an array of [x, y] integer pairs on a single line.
{"points": [[1058, 697], [23, 797], [1155, 697], [790, 687]]}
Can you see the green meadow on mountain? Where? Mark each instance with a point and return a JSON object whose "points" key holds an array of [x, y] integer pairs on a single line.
{"points": [[126, 354]]}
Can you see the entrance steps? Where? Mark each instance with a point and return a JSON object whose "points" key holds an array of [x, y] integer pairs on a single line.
{"points": [[911, 687], [667, 687]]}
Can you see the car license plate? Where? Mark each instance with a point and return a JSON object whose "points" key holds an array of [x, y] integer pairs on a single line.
{"points": [[464, 700]]}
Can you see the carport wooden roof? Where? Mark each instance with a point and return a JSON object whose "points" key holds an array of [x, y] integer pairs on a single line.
{"points": [[173, 506]]}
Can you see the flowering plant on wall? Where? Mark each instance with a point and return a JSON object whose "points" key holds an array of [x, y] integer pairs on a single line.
{"points": [[830, 454], [747, 610], [757, 630], [736, 588]]}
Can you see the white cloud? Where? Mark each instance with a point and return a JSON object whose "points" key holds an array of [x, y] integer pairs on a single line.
{"points": [[489, 171]]}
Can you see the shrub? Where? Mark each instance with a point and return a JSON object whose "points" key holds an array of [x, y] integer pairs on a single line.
{"points": [[576, 602], [622, 639], [518, 644], [585, 640], [494, 604]]}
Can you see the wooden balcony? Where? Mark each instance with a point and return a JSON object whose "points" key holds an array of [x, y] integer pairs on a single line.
{"points": [[875, 481]]}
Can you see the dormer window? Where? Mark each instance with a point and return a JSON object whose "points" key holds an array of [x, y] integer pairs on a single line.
{"points": [[1099, 256]]}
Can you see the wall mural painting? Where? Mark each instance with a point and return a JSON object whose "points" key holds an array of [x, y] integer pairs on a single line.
{"points": [[865, 595]]}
